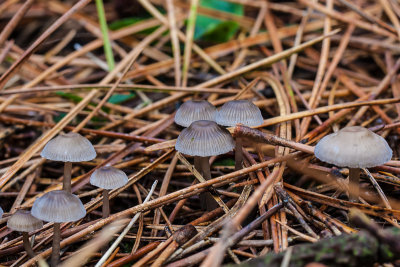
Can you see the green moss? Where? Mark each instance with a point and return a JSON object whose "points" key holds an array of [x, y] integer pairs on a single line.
{"points": [[386, 252], [321, 253], [267, 260], [366, 252]]}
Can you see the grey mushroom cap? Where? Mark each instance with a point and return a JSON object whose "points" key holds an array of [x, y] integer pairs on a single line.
{"points": [[70, 147], [353, 147], [195, 110], [108, 178], [23, 221], [239, 111], [58, 206], [204, 138]]}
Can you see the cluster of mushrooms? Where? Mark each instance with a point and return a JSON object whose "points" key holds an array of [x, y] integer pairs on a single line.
{"points": [[61, 206], [352, 147], [205, 137]]}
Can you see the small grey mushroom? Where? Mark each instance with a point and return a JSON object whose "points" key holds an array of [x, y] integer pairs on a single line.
{"points": [[354, 147], [68, 148], [195, 110], [203, 139], [108, 178], [23, 221], [243, 112], [58, 207]]}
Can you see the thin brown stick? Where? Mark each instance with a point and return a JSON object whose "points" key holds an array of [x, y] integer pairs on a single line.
{"points": [[7, 30], [54, 26]]}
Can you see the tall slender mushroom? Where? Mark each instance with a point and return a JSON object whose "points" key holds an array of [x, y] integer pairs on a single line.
{"points": [[243, 112], [24, 222], [58, 207], [68, 148], [195, 110], [354, 147], [203, 139], [108, 178]]}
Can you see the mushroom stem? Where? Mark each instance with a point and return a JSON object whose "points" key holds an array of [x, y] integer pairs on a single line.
{"points": [[27, 244], [55, 255], [205, 167], [198, 167], [197, 164], [354, 184], [207, 201], [238, 153], [106, 204], [67, 177]]}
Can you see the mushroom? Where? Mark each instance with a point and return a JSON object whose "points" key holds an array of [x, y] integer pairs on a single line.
{"points": [[68, 148], [195, 110], [108, 178], [354, 147], [203, 139], [58, 207], [243, 112], [24, 222]]}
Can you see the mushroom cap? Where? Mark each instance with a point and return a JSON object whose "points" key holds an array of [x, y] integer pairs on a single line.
{"points": [[204, 139], [69, 147], [195, 110], [23, 221], [58, 206], [108, 178], [353, 147], [239, 111]]}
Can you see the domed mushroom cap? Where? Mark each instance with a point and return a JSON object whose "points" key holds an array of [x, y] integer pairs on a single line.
{"points": [[204, 138], [70, 147], [108, 178], [195, 110], [239, 111], [58, 206], [353, 147], [23, 221]]}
